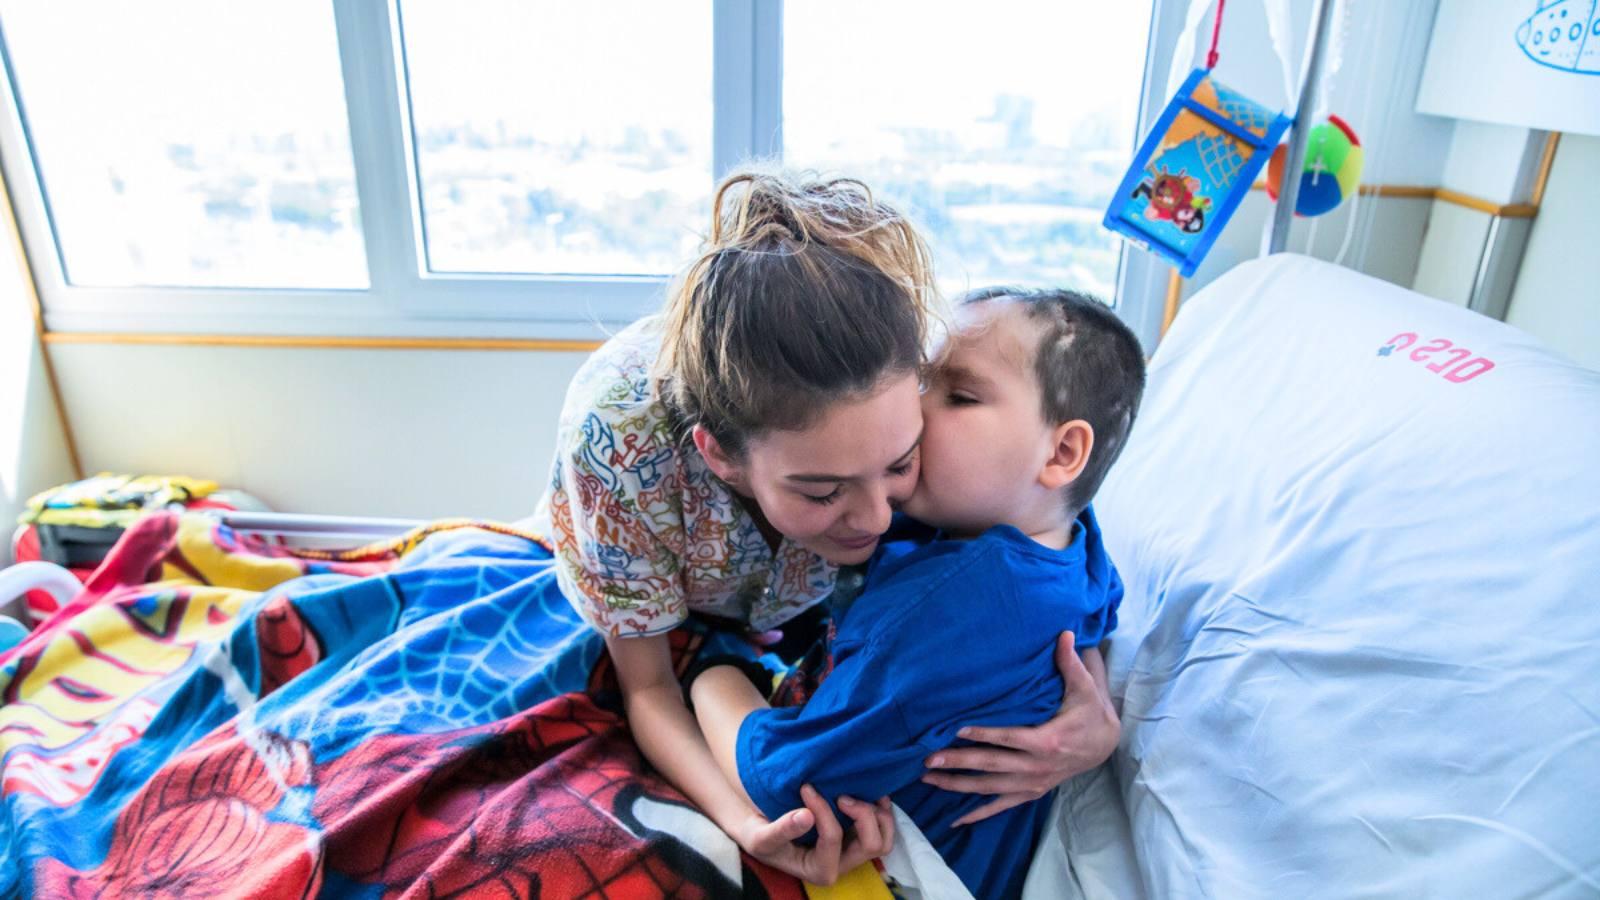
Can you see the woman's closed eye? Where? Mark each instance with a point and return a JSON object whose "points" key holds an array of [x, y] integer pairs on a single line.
{"points": [[825, 499], [960, 398], [899, 471], [903, 468]]}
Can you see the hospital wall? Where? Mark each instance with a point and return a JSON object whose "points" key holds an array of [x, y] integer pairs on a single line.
{"points": [[1557, 291], [33, 453], [407, 433]]}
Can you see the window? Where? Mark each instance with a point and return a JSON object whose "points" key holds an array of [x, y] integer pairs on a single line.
{"points": [[536, 168], [1007, 150], [558, 137], [208, 147]]}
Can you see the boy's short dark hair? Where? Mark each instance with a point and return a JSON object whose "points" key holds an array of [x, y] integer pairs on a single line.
{"points": [[1089, 365]]}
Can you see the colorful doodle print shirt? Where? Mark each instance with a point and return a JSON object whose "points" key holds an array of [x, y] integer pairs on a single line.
{"points": [[644, 533]]}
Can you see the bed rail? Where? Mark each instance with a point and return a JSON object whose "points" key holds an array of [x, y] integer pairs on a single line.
{"points": [[321, 527], [17, 580]]}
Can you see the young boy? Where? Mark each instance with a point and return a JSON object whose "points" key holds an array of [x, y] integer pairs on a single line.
{"points": [[1024, 415]]}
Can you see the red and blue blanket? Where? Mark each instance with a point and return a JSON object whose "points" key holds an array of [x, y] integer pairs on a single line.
{"points": [[215, 716]]}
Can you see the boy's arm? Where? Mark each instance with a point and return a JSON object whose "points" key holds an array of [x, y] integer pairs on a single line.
{"points": [[671, 739], [849, 740]]}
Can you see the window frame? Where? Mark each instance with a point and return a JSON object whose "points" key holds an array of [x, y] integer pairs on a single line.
{"points": [[404, 299]]}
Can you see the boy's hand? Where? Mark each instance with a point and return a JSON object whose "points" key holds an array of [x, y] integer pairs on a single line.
{"points": [[1027, 763], [774, 842]]}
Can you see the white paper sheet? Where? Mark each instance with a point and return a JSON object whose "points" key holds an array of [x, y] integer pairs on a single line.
{"points": [[1534, 63]]}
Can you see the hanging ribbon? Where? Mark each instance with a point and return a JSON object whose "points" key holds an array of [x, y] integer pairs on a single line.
{"points": [[1216, 32], [1186, 51]]}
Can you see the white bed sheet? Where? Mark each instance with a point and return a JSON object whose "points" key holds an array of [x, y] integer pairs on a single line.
{"points": [[1359, 654]]}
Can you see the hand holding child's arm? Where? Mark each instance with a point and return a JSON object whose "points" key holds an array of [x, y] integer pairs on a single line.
{"points": [[1027, 763], [833, 855]]}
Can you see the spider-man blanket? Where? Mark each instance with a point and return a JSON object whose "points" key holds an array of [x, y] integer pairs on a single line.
{"points": [[215, 717]]}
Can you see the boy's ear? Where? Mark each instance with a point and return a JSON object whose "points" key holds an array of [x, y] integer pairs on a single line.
{"points": [[721, 464], [1072, 443]]}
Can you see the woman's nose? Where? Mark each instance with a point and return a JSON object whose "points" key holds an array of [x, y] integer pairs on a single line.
{"points": [[872, 515]]}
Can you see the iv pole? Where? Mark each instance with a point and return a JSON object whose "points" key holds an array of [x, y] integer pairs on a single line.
{"points": [[1300, 131]]}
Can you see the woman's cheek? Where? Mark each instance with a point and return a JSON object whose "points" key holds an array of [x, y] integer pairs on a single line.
{"points": [[800, 518]]}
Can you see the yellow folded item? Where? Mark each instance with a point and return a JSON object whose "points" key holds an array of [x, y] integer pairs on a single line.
{"points": [[864, 882], [108, 500]]}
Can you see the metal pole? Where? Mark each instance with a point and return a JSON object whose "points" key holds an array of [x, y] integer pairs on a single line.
{"points": [[1300, 131], [318, 526]]}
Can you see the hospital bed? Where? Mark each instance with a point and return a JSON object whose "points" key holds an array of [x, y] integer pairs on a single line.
{"points": [[1359, 654]]}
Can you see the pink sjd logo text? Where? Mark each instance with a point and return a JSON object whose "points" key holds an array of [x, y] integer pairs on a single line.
{"points": [[1456, 364]]}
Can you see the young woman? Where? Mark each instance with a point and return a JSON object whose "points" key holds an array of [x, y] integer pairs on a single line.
{"points": [[787, 361]]}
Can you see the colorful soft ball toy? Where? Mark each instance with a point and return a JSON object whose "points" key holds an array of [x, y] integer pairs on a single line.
{"points": [[1332, 170]]}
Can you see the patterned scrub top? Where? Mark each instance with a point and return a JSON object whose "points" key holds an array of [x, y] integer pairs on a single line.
{"points": [[643, 532]]}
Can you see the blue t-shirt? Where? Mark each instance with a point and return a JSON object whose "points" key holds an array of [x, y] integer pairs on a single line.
{"points": [[946, 634]]}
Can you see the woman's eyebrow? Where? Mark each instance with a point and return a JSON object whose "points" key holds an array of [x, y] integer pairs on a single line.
{"points": [[818, 478], [910, 450]]}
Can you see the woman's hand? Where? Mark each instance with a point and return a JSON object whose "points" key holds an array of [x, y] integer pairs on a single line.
{"points": [[1027, 763], [774, 842]]}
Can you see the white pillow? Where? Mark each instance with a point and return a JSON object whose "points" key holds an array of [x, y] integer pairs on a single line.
{"points": [[1360, 649]]}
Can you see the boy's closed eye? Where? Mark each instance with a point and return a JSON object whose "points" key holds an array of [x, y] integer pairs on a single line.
{"points": [[956, 388], [961, 385]]}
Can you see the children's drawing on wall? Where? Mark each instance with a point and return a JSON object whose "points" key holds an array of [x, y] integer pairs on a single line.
{"points": [[1526, 63], [1563, 34]]}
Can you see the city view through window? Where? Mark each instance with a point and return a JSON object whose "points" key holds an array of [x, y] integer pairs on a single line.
{"points": [[540, 148]]}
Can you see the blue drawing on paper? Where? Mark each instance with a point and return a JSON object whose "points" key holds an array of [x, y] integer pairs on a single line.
{"points": [[1563, 34]]}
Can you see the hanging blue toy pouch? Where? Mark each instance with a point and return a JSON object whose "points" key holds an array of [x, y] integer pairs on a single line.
{"points": [[1193, 170]]}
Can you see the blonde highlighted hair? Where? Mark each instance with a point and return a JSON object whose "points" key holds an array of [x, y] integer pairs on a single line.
{"points": [[806, 292]]}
